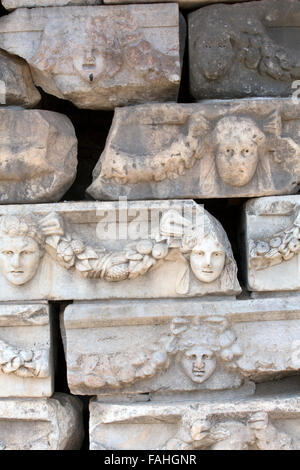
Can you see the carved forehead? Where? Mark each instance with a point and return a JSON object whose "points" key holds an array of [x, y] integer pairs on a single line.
{"points": [[208, 244], [234, 128], [18, 243]]}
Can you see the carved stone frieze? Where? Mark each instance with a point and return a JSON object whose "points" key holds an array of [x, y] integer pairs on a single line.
{"points": [[95, 250], [26, 362], [271, 423], [41, 424], [99, 57], [178, 346], [238, 148], [272, 238], [245, 49]]}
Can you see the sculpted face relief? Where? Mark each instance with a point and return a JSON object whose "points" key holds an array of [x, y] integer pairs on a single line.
{"points": [[207, 260], [199, 363], [237, 150], [19, 258]]}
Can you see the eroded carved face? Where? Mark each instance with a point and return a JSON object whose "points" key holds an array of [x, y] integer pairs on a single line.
{"points": [[198, 363], [236, 160], [207, 260], [19, 258], [89, 62]]}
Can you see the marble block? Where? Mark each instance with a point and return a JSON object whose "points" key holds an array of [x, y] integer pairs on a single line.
{"points": [[245, 49], [182, 3], [272, 239], [38, 156], [92, 250], [169, 347], [41, 423], [26, 351], [99, 57], [16, 84], [234, 148], [270, 423], [12, 4]]}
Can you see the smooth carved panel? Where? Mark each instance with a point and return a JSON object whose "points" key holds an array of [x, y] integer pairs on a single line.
{"points": [[238, 148], [182, 3], [272, 238], [254, 424], [12, 4], [26, 362], [16, 84], [244, 50], [99, 57], [41, 424], [91, 250], [38, 156], [163, 347]]}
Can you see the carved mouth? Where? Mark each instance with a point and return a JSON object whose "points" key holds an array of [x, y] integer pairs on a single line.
{"points": [[17, 272], [88, 66], [206, 271], [198, 372]]}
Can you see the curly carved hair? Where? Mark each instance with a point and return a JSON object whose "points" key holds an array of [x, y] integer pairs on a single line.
{"points": [[15, 226]]}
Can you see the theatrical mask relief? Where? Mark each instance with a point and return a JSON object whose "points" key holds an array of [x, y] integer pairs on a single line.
{"points": [[194, 251], [156, 347], [99, 57], [236, 148]]}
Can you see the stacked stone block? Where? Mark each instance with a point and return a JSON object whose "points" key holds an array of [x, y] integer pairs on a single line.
{"points": [[181, 346]]}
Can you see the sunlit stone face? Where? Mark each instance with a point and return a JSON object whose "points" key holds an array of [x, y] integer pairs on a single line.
{"points": [[19, 258], [237, 160], [89, 63], [207, 260], [198, 363]]}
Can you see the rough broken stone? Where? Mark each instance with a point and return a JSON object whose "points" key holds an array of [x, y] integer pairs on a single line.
{"points": [[26, 363], [272, 238], [270, 423], [92, 250], [164, 347], [243, 50], [99, 57], [12, 4], [16, 85], [38, 155], [238, 148], [182, 3], [41, 423]]}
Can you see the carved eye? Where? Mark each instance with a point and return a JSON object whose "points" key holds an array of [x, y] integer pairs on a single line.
{"points": [[229, 152], [245, 152], [218, 253], [204, 356], [200, 253], [8, 252], [25, 252]]}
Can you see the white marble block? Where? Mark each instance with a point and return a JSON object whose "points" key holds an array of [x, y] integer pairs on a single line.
{"points": [[272, 238], [26, 351], [230, 148], [41, 423], [38, 155], [180, 346], [99, 57], [93, 250], [269, 423]]}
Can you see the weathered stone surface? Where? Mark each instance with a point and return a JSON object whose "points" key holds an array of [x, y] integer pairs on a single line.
{"points": [[16, 85], [41, 423], [243, 50], [272, 423], [12, 4], [238, 148], [26, 357], [99, 57], [178, 346], [38, 155], [90, 250], [272, 237]]}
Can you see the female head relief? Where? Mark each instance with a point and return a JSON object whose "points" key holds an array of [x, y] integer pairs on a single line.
{"points": [[21, 248]]}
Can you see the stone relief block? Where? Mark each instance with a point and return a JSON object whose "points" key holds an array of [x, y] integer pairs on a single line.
{"points": [[255, 424], [26, 356], [99, 57], [238, 148], [243, 50], [12, 4], [90, 250], [164, 347], [16, 85], [272, 237], [38, 155], [41, 423]]}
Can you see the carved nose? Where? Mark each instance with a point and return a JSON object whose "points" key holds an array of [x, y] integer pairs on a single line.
{"points": [[89, 58], [15, 262], [208, 260], [199, 362]]}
